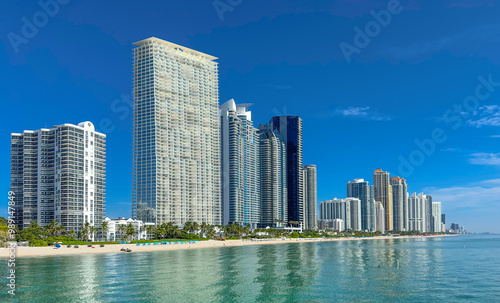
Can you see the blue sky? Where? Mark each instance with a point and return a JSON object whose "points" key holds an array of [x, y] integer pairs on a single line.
{"points": [[409, 82]]}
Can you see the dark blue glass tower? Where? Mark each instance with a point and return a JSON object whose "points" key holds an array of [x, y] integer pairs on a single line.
{"points": [[290, 130]]}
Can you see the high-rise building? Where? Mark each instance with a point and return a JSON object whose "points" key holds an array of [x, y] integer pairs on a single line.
{"points": [[379, 217], [290, 130], [436, 217], [348, 210], [273, 178], [417, 212], [59, 174], [355, 213], [176, 148], [240, 165], [400, 203], [443, 220], [360, 189], [310, 197], [428, 213], [383, 193]]}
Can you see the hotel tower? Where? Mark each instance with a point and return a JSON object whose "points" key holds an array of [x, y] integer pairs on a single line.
{"points": [[176, 149]]}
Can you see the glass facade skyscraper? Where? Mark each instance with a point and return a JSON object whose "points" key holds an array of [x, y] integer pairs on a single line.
{"points": [[59, 174], [290, 130], [273, 178], [176, 148], [310, 197], [359, 188], [240, 165]]}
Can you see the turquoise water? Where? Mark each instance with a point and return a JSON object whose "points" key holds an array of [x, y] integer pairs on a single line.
{"points": [[430, 270]]}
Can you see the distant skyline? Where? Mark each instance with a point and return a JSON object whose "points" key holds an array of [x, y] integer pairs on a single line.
{"points": [[426, 87]]}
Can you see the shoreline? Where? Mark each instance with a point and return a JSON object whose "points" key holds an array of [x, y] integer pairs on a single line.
{"points": [[22, 252]]}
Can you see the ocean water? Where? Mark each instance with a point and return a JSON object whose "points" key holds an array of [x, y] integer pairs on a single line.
{"points": [[449, 269]]}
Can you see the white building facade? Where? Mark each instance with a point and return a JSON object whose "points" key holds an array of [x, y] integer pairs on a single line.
{"points": [[59, 174], [176, 148]]}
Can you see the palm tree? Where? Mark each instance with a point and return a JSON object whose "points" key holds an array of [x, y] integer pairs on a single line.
{"points": [[204, 227], [121, 229], [196, 227], [130, 231], [84, 231], [51, 228], [188, 226], [175, 232], [60, 230], [150, 229], [104, 229]]}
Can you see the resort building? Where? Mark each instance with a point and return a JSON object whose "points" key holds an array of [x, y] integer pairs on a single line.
{"points": [[290, 130], [383, 193], [59, 174], [335, 224], [176, 140], [240, 165], [273, 179], [310, 197], [117, 229]]}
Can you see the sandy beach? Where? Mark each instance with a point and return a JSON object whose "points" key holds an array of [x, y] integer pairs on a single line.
{"points": [[115, 248]]}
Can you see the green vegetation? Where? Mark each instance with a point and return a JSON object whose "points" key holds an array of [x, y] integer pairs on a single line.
{"points": [[167, 231]]}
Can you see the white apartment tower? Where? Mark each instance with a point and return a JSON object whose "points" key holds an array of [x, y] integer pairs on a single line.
{"points": [[59, 174], [176, 151], [240, 165]]}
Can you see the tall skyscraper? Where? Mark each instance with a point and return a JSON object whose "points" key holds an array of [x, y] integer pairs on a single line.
{"points": [[273, 178], [59, 174], [383, 193], [417, 212], [240, 165], [428, 213], [290, 130], [176, 148], [310, 197], [436, 217], [400, 203], [360, 189]]}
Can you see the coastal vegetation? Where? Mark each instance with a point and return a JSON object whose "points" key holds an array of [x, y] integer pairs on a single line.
{"points": [[53, 233]]}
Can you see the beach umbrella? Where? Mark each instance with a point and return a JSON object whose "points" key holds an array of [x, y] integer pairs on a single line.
{"points": [[58, 245]]}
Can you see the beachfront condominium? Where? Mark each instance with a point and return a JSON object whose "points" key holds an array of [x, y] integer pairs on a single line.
{"points": [[379, 217], [240, 166], [59, 174], [310, 197], [400, 203], [383, 193], [273, 178], [436, 217], [176, 148], [348, 210], [417, 210], [359, 188], [290, 130]]}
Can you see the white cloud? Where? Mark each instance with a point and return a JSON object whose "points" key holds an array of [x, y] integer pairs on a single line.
{"points": [[361, 113], [488, 115], [483, 195], [485, 159]]}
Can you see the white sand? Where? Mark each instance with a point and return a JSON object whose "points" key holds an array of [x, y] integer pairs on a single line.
{"points": [[115, 248]]}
